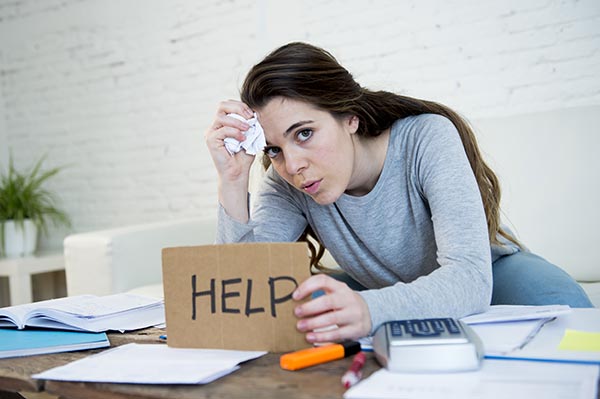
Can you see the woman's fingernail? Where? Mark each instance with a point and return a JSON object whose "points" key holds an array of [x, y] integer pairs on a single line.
{"points": [[301, 325], [310, 337], [298, 311]]}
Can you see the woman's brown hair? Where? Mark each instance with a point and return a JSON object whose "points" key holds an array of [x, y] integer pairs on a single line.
{"points": [[307, 73]]}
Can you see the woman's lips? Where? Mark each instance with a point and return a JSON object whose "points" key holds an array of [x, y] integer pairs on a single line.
{"points": [[312, 187]]}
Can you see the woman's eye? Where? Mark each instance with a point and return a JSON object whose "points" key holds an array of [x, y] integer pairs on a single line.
{"points": [[304, 135], [272, 151]]}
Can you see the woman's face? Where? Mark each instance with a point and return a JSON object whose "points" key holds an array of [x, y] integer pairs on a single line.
{"points": [[309, 148]]}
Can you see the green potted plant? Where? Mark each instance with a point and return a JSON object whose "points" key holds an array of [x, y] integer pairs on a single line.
{"points": [[26, 207]]}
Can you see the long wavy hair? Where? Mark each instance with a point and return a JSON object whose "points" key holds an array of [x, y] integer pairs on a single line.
{"points": [[307, 73]]}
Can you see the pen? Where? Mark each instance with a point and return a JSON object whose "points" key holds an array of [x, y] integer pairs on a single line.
{"points": [[322, 354], [354, 373]]}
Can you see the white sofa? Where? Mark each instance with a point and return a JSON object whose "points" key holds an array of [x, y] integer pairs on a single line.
{"points": [[548, 166], [546, 163], [128, 258]]}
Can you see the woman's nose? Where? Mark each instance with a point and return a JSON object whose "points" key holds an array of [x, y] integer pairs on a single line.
{"points": [[294, 163]]}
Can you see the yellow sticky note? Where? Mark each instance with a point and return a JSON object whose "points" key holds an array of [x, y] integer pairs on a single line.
{"points": [[574, 340]]}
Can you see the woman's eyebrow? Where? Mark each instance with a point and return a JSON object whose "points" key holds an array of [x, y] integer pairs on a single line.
{"points": [[294, 126]]}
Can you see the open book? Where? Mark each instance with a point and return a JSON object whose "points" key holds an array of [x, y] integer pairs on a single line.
{"points": [[121, 312]]}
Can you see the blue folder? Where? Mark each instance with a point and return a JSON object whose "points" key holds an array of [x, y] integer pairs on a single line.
{"points": [[14, 343]]}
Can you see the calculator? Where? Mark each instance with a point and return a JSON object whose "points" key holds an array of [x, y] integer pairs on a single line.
{"points": [[427, 345]]}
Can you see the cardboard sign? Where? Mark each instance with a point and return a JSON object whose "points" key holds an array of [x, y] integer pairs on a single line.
{"points": [[234, 296]]}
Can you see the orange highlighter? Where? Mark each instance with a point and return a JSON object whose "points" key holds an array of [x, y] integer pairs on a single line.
{"points": [[317, 355]]}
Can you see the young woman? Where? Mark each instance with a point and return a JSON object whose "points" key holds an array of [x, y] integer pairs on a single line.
{"points": [[394, 187]]}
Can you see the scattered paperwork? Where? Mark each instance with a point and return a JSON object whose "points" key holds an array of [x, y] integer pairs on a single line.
{"points": [[564, 342], [497, 379], [545, 346], [152, 364]]}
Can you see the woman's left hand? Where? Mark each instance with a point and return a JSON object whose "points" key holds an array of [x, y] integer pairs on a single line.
{"points": [[339, 306]]}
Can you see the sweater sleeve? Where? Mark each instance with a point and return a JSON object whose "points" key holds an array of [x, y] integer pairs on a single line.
{"points": [[276, 216], [462, 280]]}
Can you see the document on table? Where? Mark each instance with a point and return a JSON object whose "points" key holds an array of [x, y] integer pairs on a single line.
{"points": [[500, 313], [504, 337], [497, 379], [152, 364], [569, 337], [553, 341]]}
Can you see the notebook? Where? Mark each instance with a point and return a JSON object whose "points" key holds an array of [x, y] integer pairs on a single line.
{"points": [[15, 343]]}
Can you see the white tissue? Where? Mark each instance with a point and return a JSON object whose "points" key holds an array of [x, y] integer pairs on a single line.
{"points": [[255, 137]]}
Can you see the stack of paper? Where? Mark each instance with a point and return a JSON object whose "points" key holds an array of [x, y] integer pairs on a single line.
{"points": [[152, 364], [505, 328], [549, 338], [121, 312], [15, 343], [554, 341], [564, 342]]}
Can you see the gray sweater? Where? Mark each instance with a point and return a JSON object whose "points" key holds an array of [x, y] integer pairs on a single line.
{"points": [[418, 241]]}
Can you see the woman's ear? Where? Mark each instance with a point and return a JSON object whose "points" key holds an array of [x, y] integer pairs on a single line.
{"points": [[353, 124]]}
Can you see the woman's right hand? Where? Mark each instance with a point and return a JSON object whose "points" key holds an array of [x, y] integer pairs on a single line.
{"points": [[233, 170], [230, 168]]}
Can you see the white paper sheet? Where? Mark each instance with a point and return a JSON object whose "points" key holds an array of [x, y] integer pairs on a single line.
{"points": [[498, 379], [152, 364], [545, 345], [498, 313], [505, 337]]}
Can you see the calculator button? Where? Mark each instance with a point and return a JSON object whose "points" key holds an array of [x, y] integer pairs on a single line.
{"points": [[408, 327], [438, 325], [396, 329], [452, 327], [422, 326]]}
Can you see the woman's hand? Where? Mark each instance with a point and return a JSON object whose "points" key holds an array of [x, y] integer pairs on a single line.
{"points": [[339, 306], [233, 170]]}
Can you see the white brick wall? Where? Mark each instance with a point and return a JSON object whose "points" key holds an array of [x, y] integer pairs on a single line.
{"points": [[121, 91]]}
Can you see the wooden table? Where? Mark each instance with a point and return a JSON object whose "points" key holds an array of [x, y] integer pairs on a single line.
{"points": [[259, 378]]}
